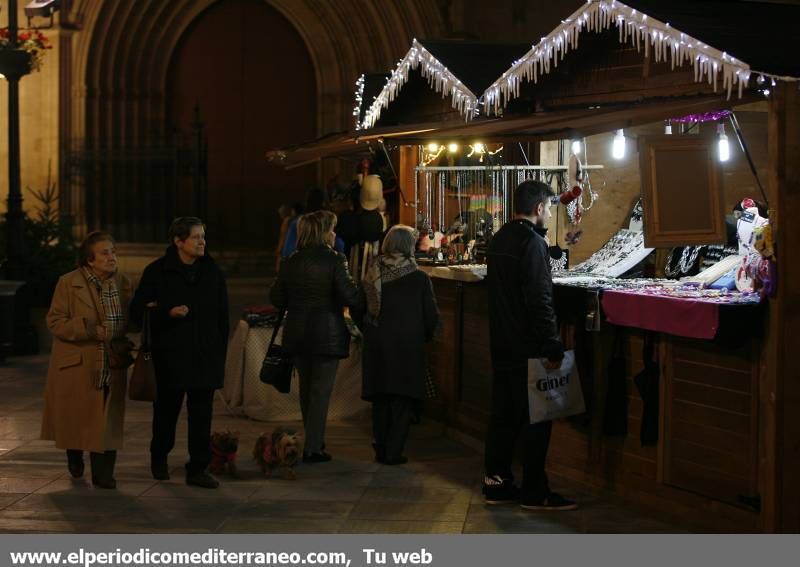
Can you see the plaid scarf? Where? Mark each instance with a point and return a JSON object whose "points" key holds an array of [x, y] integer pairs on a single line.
{"points": [[114, 322], [387, 268]]}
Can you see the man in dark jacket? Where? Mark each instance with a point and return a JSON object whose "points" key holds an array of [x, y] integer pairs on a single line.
{"points": [[188, 299], [522, 326]]}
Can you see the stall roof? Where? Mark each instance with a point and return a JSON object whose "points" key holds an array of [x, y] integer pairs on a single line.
{"points": [[549, 125], [668, 29], [535, 126], [459, 69], [709, 35], [763, 34]]}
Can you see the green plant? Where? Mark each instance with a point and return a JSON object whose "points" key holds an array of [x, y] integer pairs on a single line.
{"points": [[49, 249]]}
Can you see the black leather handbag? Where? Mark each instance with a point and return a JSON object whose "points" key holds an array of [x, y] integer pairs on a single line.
{"points": [[277, 366], [142, 386]]}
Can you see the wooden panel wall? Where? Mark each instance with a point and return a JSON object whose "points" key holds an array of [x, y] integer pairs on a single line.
{"points": [[707, 454], [711, 420], [445, 349], [474, 383], [782, 370]]}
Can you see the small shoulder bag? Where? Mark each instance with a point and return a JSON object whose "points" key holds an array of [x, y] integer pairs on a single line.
{"points": [[142, 387]]}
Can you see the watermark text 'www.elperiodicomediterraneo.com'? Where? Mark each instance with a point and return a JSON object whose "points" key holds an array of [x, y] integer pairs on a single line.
{"points": [[216, 557]]}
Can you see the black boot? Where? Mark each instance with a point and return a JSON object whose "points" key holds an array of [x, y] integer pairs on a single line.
{"points": [[111, 463], [75, 462], [102, 469], [380, 452], [200, 478], [159, 469]]}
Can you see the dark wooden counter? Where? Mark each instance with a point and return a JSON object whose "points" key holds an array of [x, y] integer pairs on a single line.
{"points": [[704, 469]]}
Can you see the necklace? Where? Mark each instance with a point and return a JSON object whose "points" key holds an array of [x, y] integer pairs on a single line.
{"points": [[669, 270], [558, 265], [688, 258]]}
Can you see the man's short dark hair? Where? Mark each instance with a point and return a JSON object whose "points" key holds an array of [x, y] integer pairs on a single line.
{"points": [[181, 228], [86, 249], [529, 194]]}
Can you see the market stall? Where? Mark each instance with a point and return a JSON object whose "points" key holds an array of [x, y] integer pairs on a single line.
{"points": [[679, 377], [692, 393]]}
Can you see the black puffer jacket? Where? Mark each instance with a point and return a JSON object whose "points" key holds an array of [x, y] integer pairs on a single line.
{"points": [[314, 285], [522, 319], [188, 352]]}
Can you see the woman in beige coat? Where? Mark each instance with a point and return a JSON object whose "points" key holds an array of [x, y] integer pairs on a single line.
{"points": [[84, 403]]}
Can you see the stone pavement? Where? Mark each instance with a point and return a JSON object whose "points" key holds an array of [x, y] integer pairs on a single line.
{"points": [[438, 491]]}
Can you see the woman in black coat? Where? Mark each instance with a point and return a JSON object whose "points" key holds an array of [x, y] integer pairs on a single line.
{"points": [[401, 317], [186, 294], [314, 286]]}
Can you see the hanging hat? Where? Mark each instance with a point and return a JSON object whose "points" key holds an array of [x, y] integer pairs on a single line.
{"points": [[371, 192]]}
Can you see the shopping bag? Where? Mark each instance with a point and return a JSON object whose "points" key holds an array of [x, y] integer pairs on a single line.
{"points": [[553, 394], [277, 366]]}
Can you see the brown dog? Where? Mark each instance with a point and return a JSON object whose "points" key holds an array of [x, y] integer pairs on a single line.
{"points": [[223, 452], [281, 448]]}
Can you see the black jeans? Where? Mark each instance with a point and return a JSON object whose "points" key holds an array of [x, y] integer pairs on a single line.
{"points": [[509, 416], [166, 409], [391, 419]]}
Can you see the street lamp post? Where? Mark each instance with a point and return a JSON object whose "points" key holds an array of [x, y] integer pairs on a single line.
{"points": [[17, 65], [15, 328]]}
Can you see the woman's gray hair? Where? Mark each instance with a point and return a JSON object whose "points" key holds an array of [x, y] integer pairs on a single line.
{"points": [[400, 239]]}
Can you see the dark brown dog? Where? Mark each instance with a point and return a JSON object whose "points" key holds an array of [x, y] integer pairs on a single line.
{"points": [[223, 452], [281, 448]]}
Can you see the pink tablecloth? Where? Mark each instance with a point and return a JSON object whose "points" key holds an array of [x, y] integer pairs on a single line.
{"points": [[673, 315]]}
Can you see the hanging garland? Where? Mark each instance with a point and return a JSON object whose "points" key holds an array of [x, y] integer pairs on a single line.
{"points": [[634, 27], [714, 116]]}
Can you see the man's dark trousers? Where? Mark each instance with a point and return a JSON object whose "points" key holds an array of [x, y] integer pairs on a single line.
{"points": [[509, 415], [167, 408]]}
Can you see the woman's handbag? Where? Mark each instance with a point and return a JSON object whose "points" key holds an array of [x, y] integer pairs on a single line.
{"points": [[142, 387], [277, 366]]}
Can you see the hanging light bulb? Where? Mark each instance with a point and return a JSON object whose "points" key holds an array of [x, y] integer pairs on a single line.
{"points": [[433, 147], [577, 147], [618, 147], [723, 148], [668, 128], [452, 147], [479, 148]]}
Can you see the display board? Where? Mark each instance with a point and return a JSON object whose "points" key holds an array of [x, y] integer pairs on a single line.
{"points": [[681, 191]]}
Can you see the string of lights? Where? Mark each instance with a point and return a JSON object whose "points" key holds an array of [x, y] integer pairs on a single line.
{"points": [[439, 77], [634, 27]]}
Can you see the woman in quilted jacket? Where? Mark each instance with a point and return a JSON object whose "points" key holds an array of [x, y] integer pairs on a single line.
{"points": [[314, 285]]}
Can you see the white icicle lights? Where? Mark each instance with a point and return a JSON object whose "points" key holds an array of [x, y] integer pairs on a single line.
{"points": [[464, 100], [359, 100], [635, 27]]}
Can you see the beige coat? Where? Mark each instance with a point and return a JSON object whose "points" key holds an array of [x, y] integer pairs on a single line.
{"points": [[76, 415]]}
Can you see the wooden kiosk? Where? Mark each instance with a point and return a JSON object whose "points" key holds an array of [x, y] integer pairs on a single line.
{"points": [[727, 456]]}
